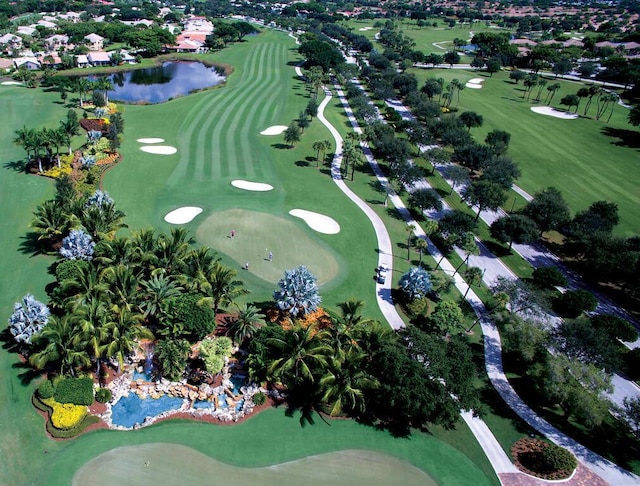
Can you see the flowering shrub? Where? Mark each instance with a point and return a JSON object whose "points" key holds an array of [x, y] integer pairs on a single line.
{"points": [[88, 161], [56, 172], [65, 415], [445, 109]]}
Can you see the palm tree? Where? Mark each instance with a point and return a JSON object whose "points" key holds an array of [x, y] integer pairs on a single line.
{"points": [[199, 263], [244, 325], [123, 286], [59, 137], [421, 246], [93, 319], [71, 128], [344, 382], [156, 291], [301, 352], [52, 222], [105, 85], [58, 338], [594, 90], [171, 251], [124, 332], [24, 139], [221, 287], [318, 146], [473, 276], [118, 250], [552, 91], [102, 222], [82, 86], [467, 244], [144, 248], [87, 286], [541, 84]]}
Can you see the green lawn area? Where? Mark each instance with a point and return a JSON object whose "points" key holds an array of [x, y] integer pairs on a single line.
{"points": [[217, 136], [584, 158]]}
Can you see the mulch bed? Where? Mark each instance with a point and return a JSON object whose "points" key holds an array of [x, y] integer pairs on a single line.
{"points": [[527, 457]]}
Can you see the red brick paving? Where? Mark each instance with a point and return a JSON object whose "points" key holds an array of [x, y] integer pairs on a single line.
{"points": [[582, 477]]}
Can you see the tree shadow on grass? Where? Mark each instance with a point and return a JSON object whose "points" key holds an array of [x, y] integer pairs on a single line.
{"points": [[28, 374], [30, 245], [497, 249], [302, 163], [8, 343], [395, 214], [16, 165], [626, 138], [281, 146]]}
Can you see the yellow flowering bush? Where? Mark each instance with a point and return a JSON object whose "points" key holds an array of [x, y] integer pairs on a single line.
{"points": [[56, 171], [65, 415], [445, 109]]}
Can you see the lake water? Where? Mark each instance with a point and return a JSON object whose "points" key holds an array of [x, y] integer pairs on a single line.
{"points": [[161, 83]]}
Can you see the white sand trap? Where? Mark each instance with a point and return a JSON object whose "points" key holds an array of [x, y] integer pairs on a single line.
{"points": [[274, 130], [547, 110], [476, 81], [365, 28], [251, 186], [473, 85], [159, 149], [11, 83], [318, 222], [182, 215], [150, 140]]}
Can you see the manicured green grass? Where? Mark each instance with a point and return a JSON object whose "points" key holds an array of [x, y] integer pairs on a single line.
{"points": [[576, 156], [216, 133], [169, 463], [272, 438]]}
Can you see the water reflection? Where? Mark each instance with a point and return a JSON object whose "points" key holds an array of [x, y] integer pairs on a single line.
{"points": [[161, 83]]}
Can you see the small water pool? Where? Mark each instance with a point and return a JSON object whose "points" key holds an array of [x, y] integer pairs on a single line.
{"points": [[132, 410]]}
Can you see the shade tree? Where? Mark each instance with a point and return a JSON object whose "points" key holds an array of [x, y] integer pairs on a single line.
{"points": [[485, 195], [548, 209], [516, 228], [415, 283]]}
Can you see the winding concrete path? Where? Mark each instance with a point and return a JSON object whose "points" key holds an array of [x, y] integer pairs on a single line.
{"points": [[493, 352]]}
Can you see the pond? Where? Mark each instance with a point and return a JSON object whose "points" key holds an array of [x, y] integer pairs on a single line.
{"points": [[162, 83]]}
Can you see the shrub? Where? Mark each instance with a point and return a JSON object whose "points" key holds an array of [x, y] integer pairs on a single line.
{"points": [[418, 307], [70, 269], [416, 283], [29, 317], [223, 346], [78, 391], [198, 320], [298, 292], [558, 458], [77, 246], [103, 395], [65, 415], [549, 277], [46, 389], [259, 398], [574, 302]]}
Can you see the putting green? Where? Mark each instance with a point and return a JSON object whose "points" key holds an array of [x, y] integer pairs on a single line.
{"points": [[177, 464], [257, 234]]}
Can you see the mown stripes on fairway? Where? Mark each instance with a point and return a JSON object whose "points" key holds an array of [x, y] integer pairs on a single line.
{"points": [[218, 136]]}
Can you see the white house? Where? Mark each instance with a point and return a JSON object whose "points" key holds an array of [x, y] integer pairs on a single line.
{"points": [[47, 24], [94, 42], [31, 63], [82, 61], [10, 43], [6, 65], [99, 58], [27, 30], [55, 42]]}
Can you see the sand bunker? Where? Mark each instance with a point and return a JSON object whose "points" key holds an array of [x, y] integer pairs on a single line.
{"points": [[150, 140], [318, 222], [475, 83], [547, 110], [182, 215], [159, 149], [365, 28], [251, 186], [11, 83], [274, 130]]}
